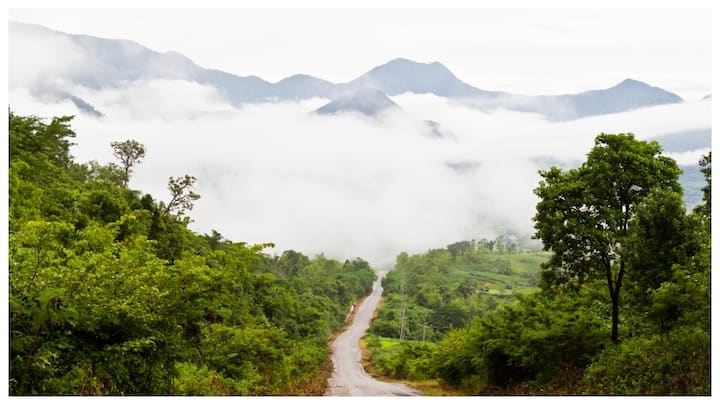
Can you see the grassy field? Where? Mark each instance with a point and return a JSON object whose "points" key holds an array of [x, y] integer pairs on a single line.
{"points": [[502, 273]]}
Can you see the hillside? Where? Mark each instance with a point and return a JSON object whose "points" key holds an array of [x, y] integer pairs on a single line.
{"points": [[445, 288], [110, 293]]}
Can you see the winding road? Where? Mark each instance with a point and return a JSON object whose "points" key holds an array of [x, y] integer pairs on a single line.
{"points": [[349, 378]]}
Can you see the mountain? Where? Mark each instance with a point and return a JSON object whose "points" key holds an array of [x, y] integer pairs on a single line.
{"points": [[405, 76], [106, 62], [628, 95], [625, 96], [110, 63], [79, 103], [298, 87], [685, 140], [369, 102]]}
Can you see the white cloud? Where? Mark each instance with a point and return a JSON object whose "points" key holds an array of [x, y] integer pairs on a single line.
{"points": [[343, 185], [689, 158], [30, 65], [156, 99]]}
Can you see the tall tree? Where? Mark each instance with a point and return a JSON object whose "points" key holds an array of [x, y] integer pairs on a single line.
{"points": [[706, 169], [129, 153], [181, 195], [584, 214]]}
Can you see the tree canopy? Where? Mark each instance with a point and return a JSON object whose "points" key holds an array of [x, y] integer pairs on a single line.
{"points": [[617, 221], [584, 215], [111, 294], [129, 153]]}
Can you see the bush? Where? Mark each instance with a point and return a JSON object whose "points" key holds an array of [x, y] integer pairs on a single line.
{"points": [[404, 360], [194, 380], [674, 363], [527, 343]]}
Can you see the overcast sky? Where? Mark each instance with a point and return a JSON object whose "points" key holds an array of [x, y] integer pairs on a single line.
{"points": [[546, 51]]}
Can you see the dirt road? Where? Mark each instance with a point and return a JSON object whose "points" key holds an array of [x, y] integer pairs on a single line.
{"points": [[349, 378]]}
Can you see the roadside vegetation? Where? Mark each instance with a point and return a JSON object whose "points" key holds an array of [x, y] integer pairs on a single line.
{"points": [[110, 293], [622, 304]]}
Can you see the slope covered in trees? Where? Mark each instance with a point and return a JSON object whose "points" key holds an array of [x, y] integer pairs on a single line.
{"points": [[624, 303], [110, 293], [429, 294]]}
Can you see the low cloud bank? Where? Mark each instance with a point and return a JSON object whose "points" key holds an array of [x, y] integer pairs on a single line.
{"points": [[345, 185]]}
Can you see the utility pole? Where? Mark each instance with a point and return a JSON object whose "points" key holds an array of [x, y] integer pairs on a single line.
{"points": [[403, 310]]}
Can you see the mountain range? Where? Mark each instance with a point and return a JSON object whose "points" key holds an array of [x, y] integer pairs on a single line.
{"points": [[108, 63]]}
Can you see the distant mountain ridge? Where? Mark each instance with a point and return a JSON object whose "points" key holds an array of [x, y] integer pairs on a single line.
{"points": [[113, 62], [405, 76], [367, 101]]}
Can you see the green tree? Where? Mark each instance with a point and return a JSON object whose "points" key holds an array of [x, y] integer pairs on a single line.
{"points": [[181, 195], [106, 174], [584, 215], [32, 140], [706, 169], [108, 294], [660, 236], [129, 153]]}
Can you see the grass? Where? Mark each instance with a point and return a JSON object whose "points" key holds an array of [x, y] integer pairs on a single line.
{"points": [[388, 342], [498, 271]]}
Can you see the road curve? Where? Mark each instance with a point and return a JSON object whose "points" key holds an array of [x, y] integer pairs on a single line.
{"points": [[349, 378]]}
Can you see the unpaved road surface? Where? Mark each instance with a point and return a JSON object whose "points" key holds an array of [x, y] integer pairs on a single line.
{"points": [[349, 378]]}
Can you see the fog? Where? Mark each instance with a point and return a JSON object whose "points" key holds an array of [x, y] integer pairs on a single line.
{"points": [[344, 185]]}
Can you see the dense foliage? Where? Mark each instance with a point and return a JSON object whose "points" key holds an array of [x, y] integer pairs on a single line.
{"points": [[431, 296], [585, 215], [617, 224], [110, 293], [427, 295]]}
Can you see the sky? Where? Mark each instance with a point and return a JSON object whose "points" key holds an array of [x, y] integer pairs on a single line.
{"points": [[526, 51], [348, 186]]}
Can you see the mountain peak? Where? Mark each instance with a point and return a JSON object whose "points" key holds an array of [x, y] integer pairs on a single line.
{"points": [[407, 66], [367, 101], [410, 62], [299, 78], [403, 75], [632, 83], [302, 86], [637, 87]]}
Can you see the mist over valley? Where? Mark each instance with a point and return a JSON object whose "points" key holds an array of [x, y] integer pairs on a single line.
{"points": [[406, 157]]}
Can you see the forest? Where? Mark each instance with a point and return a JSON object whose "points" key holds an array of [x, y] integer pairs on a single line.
{"points": [[622, 304], [111, 293]]}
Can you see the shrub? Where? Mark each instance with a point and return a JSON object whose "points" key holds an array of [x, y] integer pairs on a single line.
{"points": [[677, 362]]}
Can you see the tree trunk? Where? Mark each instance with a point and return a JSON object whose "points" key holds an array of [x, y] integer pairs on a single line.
{"points": [[615, 298], [614, 285]]}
